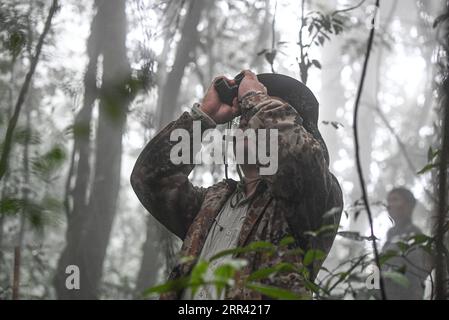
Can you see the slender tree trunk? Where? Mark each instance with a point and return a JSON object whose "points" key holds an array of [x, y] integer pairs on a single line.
{"points": [[18, 250], [4, 182], [80, 164], [93, 230], [151, 259], [189, 36], [167, 106], [22, 224]]}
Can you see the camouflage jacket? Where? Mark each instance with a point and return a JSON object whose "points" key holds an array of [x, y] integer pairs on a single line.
{"points": [[291, 202]]}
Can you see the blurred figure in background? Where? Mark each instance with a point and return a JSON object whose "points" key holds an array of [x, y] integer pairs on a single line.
{"points": [[415, 263]]}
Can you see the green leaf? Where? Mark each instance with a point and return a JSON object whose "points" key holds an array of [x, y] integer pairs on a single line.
{"points": [[312, 286], [313, 255], [224, 273], [197, 275], [402, 246], [199, 270], [11, 206], [223, 276], [274, 292], [46, 165], [256, 246], [429, 154], [397, 277], [419, 239], [262, 273], [26, 136], [17, 41], [316, 63], [384, 257], [287, 241], [186, 259], [172, 285], [268, 271], [427, 168]]}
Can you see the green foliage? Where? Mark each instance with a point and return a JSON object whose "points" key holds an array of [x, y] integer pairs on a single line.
{"points": [[275, 292], [352, 272], [397, 277], [224, 275], [313, 255], [12, 29], [79, 130], [39, 213], [24, 135], [47, 165], [384, 257], [270, 272], [197, 275], [10, 206], [171, 285], [321, 25], [432, 160], [258, 246], [320, 28]]}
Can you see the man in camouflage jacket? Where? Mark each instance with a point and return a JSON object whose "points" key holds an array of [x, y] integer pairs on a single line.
{"points": [[301, 196]]}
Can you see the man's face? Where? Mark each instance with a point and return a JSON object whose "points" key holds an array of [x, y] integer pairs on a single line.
{"points": [[398, 207]]}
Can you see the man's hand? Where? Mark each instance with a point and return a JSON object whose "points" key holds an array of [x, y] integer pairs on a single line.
{"points": [[212, 105], [250, 83]]}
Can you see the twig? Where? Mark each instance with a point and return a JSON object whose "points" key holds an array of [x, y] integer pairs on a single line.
{"points": [[348, 272], [16, 275], [23, 92], [357, 148]]}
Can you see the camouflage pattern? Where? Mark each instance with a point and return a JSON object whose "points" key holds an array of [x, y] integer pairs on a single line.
{"points": [[290, 202]]}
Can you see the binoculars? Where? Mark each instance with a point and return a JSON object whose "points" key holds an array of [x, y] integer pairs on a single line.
{"points": [[226, 92]]}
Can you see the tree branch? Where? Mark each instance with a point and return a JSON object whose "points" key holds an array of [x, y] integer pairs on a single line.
{"points": [[23, 92], [357, 148]]}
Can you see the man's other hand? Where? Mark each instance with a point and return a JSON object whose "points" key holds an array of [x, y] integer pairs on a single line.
{"points": [[212, 105], [250, 83]]}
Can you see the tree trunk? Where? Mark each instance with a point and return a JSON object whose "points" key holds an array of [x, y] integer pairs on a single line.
{"points": [[89, 236], [151, 259], [167, 105], [80, 167], [189, 38], [166, 108]]}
